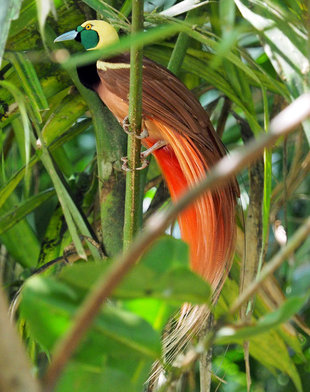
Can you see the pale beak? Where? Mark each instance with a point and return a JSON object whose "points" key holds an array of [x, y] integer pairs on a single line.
{"points": [[66, 36]]}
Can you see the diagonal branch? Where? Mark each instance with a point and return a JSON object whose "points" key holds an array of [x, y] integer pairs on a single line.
{"points": [[225, 169]]}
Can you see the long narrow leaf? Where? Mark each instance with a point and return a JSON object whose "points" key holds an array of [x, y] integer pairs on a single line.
{"points": [[30, 82], [23, 112], [16, 214]]}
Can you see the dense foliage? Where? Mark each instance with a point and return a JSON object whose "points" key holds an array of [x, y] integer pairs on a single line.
{"points": [[245, 61]]}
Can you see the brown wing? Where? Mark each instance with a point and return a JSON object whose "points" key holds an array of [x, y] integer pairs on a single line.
{"points": [[166, 99]]}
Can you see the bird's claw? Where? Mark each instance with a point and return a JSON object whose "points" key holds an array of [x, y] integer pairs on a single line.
{"points": [[125, 167], [126, 127]]}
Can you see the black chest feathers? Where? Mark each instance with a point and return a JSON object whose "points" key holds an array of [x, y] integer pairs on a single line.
{"points": [[88, 75]]}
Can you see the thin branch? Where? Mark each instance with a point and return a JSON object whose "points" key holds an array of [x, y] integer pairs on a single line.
{"points": [[225, 169], [133, 205], [15, 368]]}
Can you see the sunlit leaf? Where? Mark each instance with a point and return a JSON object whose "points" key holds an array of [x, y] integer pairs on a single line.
{"points": [[9, 10]]}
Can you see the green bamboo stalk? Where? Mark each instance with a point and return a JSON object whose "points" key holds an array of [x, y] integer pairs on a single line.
{"points": [[133, 206]]}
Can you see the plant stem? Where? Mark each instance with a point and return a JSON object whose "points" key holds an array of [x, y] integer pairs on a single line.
{"points": [[179, 50], [133, 207], [224, 170]]}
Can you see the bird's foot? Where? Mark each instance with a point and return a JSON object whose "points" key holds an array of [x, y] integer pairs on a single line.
{"points": [[155, 146], [144, 155], [126, 127], [125, 167]]}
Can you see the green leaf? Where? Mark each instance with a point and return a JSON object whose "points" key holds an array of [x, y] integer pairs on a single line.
{"points": [[109, 377], [12, 183], [7, 189], [23, 112], [30, 82], [44, 8], [270, 350], [9, 10], [20, 241], [63, 117], [290, 307], [73, 216], [269, 346], [163, 273], [116, 332], [285, 44], [12, 217]]}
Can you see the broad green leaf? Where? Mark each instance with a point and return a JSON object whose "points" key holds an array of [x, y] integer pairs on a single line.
{"points": [[154, 311], [12, 217], [163, 273], [271, 351], [109, 377], [115, 332]]}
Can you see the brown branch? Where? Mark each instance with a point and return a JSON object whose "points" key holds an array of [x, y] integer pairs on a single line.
{"points": [[225, 169], [154, 182], [15, 368]]}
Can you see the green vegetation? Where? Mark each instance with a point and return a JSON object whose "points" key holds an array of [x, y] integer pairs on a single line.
{"points": [[62, 196]]}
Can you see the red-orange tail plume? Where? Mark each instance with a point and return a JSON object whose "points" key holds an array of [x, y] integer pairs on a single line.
{"points": [[208, 226]]}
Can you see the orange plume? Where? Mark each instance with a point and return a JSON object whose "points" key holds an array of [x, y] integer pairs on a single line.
{"points": [[208, 226]]}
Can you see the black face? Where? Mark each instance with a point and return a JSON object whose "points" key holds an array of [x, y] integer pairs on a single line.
{"points": [[78, 37]]}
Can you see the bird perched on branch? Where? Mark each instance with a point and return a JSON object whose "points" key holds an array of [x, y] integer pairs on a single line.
{"points": [[178, 132]]}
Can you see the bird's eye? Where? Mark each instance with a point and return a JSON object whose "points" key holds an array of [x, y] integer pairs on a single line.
{"points": [[88, 27]]}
